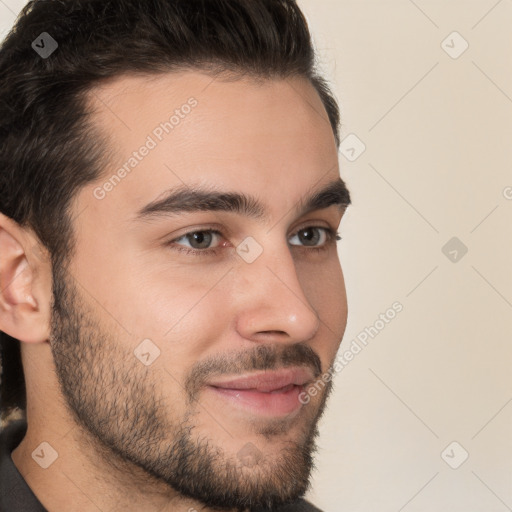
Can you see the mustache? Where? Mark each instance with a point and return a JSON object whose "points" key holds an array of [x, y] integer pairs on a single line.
{"points": [[262, 357]]}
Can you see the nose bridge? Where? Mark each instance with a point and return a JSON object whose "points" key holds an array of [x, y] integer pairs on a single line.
{"points": [[274, 299]]}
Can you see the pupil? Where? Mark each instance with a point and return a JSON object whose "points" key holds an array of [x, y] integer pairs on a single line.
{"points": [[201, 238], [310, 235]]}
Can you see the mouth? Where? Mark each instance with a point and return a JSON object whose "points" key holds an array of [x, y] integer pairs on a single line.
{"points": [[269, 394]]}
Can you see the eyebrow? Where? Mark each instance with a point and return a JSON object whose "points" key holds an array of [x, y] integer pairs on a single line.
{"points": [[191, 199]]}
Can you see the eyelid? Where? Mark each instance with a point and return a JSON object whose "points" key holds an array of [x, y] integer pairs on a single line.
{"points": [[215, 228], [312, 224]]}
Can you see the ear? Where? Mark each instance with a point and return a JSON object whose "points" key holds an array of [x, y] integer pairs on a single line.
{"points": [[25, 284]]}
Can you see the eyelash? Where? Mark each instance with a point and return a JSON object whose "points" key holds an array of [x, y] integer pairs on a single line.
{"points": [[332, 238]]}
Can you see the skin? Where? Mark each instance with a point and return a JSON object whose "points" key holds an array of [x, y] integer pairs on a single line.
{"points": [[118, 426]]}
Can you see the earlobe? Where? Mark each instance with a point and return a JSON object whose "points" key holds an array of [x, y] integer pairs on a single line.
{"points": [[23, 285]]}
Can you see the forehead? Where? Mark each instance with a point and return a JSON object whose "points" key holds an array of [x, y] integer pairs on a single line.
{"points": [[131, 104], [267, 136]]}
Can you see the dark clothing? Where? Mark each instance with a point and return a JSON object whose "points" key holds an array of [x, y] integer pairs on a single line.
{"points": [[16, 495]]}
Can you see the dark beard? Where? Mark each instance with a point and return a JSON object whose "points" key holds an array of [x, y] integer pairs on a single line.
{"points": [[122, 417]]}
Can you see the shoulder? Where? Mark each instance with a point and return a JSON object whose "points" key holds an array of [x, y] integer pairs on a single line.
{"points": [[15, 494]]}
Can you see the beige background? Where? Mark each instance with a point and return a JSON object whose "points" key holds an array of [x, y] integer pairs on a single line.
{"points": [[438, 156], [437, 164]]}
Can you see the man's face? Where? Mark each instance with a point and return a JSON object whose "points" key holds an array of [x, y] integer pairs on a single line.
{"points": [[185, 355]]}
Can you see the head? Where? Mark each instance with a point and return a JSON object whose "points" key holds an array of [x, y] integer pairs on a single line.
{"points": [[170, 195]]}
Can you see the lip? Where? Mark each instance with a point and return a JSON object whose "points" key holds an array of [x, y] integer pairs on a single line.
{"points": [[266, 382], [268, 394]]}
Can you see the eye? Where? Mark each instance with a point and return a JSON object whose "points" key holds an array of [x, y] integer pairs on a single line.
{"points": [[199, 239], [199, 243], [312, 236]]}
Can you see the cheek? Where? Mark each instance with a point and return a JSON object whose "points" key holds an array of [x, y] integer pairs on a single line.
{"points": [[335, 301], [183, 311], [324, 287], [185, 318]]}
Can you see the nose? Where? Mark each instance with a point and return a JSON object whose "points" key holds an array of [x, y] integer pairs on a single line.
{"points": [[271, 301]]}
